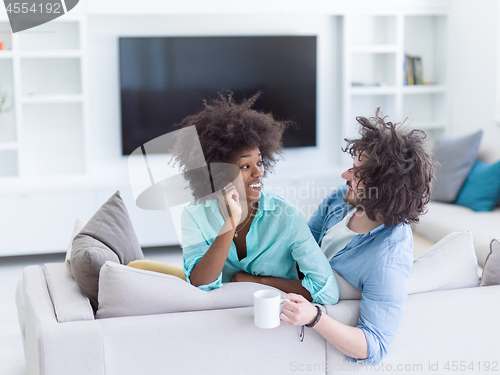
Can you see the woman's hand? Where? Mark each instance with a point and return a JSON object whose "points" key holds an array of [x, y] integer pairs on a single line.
{"points": [[229, 197], [298, 311]]}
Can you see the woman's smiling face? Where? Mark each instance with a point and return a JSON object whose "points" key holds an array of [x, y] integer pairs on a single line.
{"points": [[252, 171]]}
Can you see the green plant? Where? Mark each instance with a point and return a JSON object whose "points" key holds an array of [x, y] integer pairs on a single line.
{"points": [[5, 106]]}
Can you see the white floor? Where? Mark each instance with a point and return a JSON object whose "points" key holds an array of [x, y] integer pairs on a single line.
{"points": [[11, 347]]}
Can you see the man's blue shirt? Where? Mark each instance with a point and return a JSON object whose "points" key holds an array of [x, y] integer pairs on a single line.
{"points": [[378, 263]]}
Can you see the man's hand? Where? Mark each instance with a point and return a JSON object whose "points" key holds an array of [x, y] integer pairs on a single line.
{"points": [[245, 277], [298, 311]]}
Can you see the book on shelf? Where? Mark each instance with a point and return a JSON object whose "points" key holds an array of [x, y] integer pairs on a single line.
{"points": [[413, 70]]}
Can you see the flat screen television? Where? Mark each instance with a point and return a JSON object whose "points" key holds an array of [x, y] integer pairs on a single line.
{"points": [[164, 79]]}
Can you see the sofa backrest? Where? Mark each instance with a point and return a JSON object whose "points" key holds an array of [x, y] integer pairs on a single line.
{"points": [[449, 264], [488, 152]]}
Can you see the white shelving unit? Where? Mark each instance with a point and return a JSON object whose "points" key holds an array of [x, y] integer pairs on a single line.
{"points": [[375, 46], [43, 139], [44, 134]]}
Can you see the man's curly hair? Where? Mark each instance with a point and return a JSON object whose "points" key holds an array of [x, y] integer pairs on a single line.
{"points": [[397, 165], [226, 128]]}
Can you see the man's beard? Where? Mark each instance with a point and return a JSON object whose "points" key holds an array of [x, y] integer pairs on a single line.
{"points": [[351, 197]]}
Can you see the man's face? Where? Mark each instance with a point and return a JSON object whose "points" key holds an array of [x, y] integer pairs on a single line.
{"points": [[356, 188]]}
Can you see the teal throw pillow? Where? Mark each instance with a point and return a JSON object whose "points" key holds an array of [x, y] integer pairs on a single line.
{"points": [[481, 190]]}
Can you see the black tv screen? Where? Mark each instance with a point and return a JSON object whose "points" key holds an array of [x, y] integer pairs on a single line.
{"points": [[164, 79]]}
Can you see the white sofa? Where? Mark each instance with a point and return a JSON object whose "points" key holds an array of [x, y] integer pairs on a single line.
{"points": [[449, 322], [442, 219]]}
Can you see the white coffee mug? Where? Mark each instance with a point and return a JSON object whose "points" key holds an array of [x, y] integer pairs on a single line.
{"points": [[267, 308]]}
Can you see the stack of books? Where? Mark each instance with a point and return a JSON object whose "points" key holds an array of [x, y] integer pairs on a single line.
{"points": [[413, 70]]}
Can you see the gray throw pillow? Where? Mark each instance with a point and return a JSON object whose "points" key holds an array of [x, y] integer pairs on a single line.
{"points": [[456, 158], [491, 270], [128, 291], [108, 235]]}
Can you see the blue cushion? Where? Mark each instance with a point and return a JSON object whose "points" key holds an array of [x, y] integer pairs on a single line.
{"points": [[481, 191]]}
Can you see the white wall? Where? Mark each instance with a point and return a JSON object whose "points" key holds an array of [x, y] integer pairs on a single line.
{"points": [[473, 45]]}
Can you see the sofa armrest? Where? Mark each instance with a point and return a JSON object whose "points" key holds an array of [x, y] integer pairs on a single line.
{"points": [[75, 348], [70, 304], [38, 310], [51, 347]]}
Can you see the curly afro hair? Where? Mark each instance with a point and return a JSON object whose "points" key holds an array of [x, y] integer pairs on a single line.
{"points": [[397, 165], [226, 128]]}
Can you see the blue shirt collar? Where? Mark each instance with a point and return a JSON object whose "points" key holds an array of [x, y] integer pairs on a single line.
{"points": [[373, 231]]}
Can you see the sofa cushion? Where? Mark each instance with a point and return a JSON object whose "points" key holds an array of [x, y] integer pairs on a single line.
{"points": [[449, 264], [456, 158], [444, 218], [70, 304], [151, 265], [491, 270], [127, 291], [481, 191], [489, 152], [347, 291], [79, 224], [108, 236]]}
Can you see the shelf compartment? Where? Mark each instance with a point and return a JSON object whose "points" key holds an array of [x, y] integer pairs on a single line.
{"points": [[366, 105], [428, 125], [5, 37], [51, 36], [427, 111], [426, 36], [373, 90], [60, 76], [8, 132], [373, 30], [424, 89], [60, 126], [373, 69], [7, 119], [432, 133], [8, 163]]}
